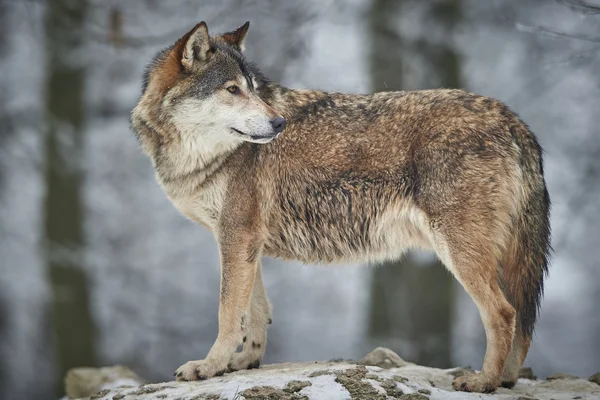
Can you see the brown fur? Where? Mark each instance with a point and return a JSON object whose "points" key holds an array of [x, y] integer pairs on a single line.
{"points": [[355, 178]]}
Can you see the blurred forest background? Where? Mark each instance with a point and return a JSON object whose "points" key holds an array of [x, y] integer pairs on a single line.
{"points": [[97, 268]]}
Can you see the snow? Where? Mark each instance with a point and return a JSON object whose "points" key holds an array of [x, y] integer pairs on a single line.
{"points": [[323, 386]]}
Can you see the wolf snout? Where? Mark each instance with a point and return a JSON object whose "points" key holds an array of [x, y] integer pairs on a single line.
{"points": [[278, 124]]}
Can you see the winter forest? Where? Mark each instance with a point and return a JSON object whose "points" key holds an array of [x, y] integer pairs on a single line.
{"points": [[98, 268]]}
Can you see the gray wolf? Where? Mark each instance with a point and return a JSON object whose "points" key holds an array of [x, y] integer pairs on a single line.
{"points": [[330, 177]]}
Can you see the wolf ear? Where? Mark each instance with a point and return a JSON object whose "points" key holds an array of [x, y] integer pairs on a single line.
{"points": [[237, 37], [196, 46]]}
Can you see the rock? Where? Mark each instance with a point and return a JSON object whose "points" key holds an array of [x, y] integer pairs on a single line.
{"points": [[413, 396], [296, 386], [269, 392], [336, 381], [323, 380], [353, 380], [84, 382], [554, 377], [456, 372], [319, 373], [390, 387], [595, 378], [527, 373], [384, 358], [344, 360]]}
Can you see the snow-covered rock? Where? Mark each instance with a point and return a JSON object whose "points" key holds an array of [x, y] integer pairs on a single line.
{"points": [[384, 358], [331, 380]]}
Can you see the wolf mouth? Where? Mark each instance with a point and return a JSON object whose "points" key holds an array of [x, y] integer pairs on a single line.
{"points": [[255, 137]]}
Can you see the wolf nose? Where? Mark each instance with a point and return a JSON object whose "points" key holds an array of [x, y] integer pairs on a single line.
{"points": [[278, 124]]}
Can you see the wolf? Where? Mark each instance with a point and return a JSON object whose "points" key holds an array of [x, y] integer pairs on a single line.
{"points": [[330, 178]]}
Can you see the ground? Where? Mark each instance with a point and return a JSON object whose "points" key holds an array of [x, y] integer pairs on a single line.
{"points": [[342, 380]]}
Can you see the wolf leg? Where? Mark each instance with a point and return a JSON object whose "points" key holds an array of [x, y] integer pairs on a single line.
{"points": [[516, 357], [238, 272], [475, 266], [255, 330]]}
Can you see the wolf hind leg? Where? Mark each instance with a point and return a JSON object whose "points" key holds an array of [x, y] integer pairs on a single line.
{"points": [[255, 329], [473, 262], [518, 352]]}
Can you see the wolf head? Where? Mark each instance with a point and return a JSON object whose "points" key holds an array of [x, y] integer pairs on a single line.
{"points": [[204, 89]]}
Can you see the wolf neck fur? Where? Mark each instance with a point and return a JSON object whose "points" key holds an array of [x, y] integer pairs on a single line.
{"points": [[195, 159], [289, 101]]}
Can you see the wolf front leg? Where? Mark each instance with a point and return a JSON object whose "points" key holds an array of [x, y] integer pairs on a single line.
{"points": [[255, 329], [238, 273]]}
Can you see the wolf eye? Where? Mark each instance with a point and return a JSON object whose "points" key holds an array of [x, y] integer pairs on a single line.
{"points": [[233, 89]]}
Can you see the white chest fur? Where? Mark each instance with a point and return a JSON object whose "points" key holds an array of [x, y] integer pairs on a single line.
{"points": [[203, 205]]}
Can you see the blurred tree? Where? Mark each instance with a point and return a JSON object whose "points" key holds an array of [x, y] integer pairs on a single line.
{"points": [[411, 300], [6, 123], [385, 57], [6, 129], [4, 333], [72, 325], [115, 32]]}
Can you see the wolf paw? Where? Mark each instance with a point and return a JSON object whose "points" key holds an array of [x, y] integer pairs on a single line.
{"points": [[508, 384], [239, 363], [475, 383], [199, 370], [509, 378], [250, 356], [253, 347]]}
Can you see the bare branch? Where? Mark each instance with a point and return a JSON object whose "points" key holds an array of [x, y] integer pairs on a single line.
{"points": [[582, 6], [550, 32]]}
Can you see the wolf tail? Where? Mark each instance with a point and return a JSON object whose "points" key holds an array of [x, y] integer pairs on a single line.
{"points": [[525, 262]]}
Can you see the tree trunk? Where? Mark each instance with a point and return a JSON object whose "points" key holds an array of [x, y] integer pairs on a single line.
{"points": [[411, 301], [71, 321]]}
